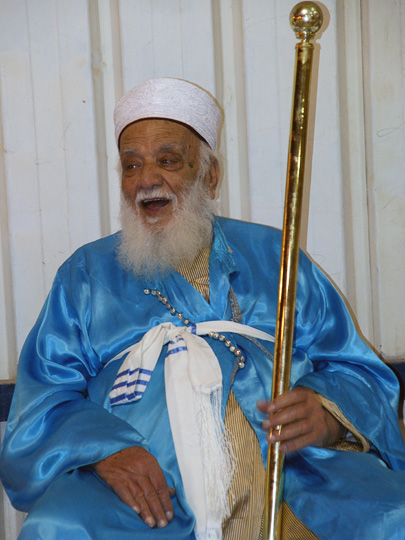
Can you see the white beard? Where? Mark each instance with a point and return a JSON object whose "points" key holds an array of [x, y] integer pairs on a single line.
{"points": [[148, 249]]}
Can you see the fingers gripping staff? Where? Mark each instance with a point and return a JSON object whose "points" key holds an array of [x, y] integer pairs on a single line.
{"points": [[304, 421]]}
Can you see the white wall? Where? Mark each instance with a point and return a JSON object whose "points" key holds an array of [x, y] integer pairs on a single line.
{"points": [[384, 98], [63, 65]]}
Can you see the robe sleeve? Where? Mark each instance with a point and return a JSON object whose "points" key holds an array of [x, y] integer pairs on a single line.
{"points": [[52, 427], [352, 435], [345, 369]]}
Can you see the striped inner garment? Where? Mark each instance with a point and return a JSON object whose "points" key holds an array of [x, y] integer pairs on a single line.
{"points": [[246, 496]]}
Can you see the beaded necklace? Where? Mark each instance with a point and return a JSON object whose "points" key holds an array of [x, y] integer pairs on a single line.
{"points": [[214, 335]]}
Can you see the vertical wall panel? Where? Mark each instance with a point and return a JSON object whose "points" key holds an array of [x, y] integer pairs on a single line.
{"points": [[7, 320], [137, 39], [48, 120], [49, 159], [326, 211], [269, 57], [353, 160], [167, 39], [230, 92], [198, 54], [167, 42], [104, 27], [385, 146], [78, 122], [20, 167], [268, 108]]}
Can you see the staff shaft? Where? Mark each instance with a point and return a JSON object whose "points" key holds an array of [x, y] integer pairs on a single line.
{"points": [[290, 249]]}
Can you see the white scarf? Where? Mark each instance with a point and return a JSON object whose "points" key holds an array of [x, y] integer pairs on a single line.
{"points": [[193, 380]]}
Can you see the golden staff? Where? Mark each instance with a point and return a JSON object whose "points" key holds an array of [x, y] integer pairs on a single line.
{"points": [[305, 19]]}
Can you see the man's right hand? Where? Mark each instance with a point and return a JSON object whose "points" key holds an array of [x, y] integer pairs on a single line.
{"points": [[136, 477]]}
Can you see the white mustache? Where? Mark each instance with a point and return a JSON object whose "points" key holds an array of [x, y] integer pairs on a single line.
{"points": [[155, 193]]}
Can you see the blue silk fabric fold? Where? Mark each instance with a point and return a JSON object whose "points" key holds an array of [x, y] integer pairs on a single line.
{"points": [[61, 420]]}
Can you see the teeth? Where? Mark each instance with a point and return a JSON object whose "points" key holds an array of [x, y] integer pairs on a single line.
{"points": [[145, 201]]}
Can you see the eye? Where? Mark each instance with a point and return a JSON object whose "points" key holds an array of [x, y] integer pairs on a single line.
{"points": [[171, 162], [131, 166]]}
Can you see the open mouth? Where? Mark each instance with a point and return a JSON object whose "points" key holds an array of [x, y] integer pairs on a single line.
{"points": [[154, 204]]}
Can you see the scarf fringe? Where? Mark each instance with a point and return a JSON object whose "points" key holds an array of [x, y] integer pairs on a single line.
{"points": [[217, 456], [209, 534]]}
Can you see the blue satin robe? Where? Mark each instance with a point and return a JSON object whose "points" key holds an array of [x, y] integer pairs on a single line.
{"points": [[61, 419]]}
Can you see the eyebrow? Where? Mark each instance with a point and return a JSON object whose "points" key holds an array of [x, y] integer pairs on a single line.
{"points": [[173, 147], [170, 147]]}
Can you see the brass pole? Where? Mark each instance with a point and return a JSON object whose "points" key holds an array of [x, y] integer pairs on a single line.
{"points": [[305, 19]]}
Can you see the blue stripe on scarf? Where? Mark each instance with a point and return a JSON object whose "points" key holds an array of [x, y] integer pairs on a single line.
{"points": [[132, 383], [124, 397], [176, 350], [132, 371], [137, 394], [147, 372]]}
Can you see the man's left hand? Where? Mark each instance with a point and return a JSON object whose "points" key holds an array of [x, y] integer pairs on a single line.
{"points": [[303, 420]]}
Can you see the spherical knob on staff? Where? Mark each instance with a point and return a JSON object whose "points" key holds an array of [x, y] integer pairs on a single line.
{"points": [[306, 19]]}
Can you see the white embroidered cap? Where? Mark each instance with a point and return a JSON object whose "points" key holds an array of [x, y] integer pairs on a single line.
{"points": [[172, 99]]}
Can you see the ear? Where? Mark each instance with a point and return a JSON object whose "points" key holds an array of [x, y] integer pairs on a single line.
{"points": [[212, 178]]}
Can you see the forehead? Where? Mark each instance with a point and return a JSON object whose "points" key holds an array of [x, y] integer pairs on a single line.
{"points": [[153, 134]]}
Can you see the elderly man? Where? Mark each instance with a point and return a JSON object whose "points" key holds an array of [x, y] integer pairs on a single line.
{"points": [[141, 408]]}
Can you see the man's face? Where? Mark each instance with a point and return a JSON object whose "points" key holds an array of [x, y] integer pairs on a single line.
{"points": [[160, 161]]}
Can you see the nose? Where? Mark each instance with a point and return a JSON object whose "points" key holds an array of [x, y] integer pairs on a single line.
{"points": [[149, 177]]}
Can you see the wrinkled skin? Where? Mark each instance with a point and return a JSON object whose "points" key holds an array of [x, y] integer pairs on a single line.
{"points": [[304, 421], [160, 155], [135, 476]]}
